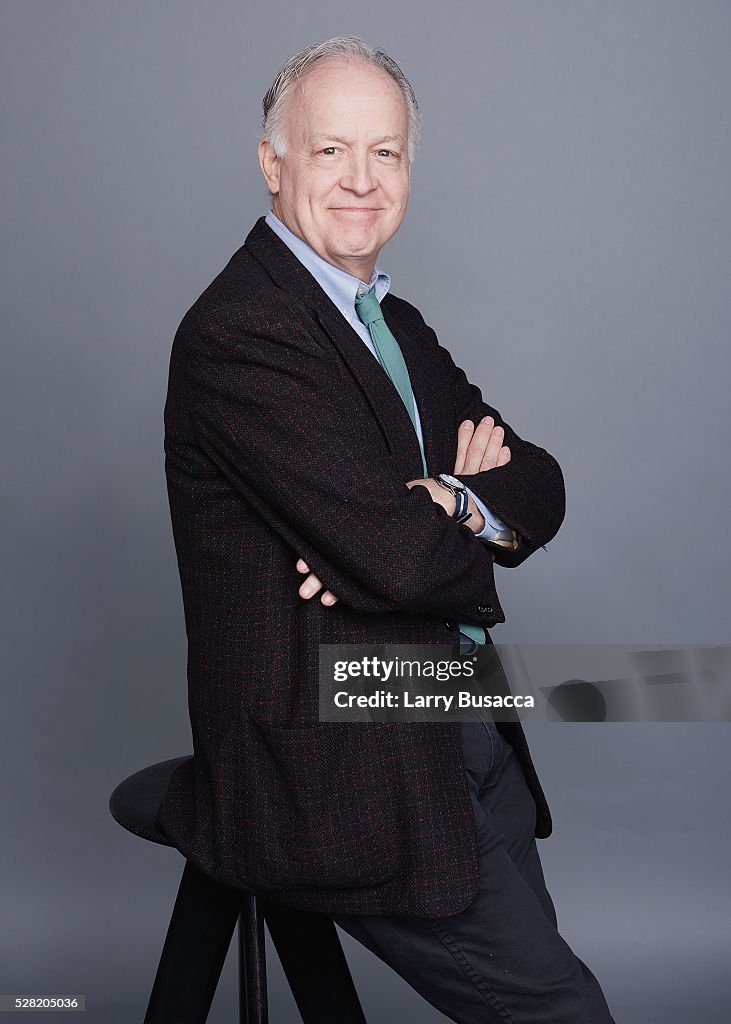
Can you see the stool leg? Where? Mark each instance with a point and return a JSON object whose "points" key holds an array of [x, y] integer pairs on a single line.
{"points": [[195, 949], [253, 1008], [314, 963]]}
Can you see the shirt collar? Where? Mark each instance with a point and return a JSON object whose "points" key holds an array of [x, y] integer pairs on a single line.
{"points": [[340, 286]]}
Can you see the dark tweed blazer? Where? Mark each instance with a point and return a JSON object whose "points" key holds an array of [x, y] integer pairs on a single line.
{"points": [[284, 438]]}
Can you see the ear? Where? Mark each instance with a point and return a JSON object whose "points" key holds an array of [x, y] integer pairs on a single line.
{"points": [[269, 163]]}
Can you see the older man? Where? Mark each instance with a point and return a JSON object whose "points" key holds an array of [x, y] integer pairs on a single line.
{"points": [[314, 423]]}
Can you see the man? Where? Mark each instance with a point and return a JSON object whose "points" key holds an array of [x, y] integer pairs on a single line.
{"points": [[310, 413]]}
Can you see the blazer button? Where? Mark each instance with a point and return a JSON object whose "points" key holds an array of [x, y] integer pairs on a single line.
{"points": [[484, 609], [449, 623]]}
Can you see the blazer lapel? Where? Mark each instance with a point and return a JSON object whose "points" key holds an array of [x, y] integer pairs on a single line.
{"points": [[383, 398]]}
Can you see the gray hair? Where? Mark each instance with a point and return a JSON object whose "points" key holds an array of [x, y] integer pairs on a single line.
{"points": [[339, 46]]}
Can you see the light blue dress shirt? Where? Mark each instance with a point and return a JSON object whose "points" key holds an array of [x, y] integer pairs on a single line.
{"points": [[342, 288]]}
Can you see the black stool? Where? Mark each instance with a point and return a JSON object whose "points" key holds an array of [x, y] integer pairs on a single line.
{"points": [[202, 923]]}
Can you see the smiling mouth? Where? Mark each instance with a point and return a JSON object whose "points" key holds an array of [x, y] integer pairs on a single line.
{"points": [[356, 209]]}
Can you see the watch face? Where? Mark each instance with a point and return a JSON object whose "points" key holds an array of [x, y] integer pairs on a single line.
{"points": [[451, 480]]}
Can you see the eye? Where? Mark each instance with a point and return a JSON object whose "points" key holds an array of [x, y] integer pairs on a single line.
{"points": [[328, 150], [385, 152]]}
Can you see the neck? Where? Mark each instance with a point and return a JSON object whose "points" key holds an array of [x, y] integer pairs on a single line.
{"points": [[363, 271]]}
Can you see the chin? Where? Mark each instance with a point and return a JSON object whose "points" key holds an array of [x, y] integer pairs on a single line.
{"points": [[350, 247], [368, 241]]}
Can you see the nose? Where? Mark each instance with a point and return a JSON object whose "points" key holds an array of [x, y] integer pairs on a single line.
{"points": [[359, 176]]}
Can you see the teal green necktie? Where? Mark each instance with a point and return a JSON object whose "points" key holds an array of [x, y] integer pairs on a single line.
{"points": [[391, 358]]}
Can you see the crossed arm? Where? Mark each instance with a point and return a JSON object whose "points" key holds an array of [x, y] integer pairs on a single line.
{"points": [[253, 382], [478, 449]]}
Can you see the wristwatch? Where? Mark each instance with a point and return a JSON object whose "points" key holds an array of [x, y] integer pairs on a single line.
{"points": [[461, 497], [506, 538]]}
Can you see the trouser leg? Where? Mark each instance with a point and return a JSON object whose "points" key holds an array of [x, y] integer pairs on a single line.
{"points": [[502, 959]]}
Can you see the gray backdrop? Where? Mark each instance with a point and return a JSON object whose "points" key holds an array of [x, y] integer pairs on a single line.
{"points": [[568, 238]]}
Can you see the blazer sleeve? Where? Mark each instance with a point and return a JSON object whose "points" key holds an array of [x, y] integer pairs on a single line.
{"points": [[527, 493], [272, 407]]}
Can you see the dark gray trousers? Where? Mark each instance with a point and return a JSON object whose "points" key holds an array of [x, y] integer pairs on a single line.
{"points": [[502, 959]]}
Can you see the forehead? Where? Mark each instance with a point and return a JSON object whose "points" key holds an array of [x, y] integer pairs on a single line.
{"points": [[338, 94]]}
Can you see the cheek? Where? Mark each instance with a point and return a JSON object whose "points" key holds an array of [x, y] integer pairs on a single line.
{"points": [[320, 198], [303, 183], [323, 184], [397, 186], [398, 194]]}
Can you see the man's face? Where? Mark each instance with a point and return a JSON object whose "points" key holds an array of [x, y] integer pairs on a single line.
{"points": [[343, 183]]}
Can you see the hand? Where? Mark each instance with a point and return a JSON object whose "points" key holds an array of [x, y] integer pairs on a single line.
{"points": [[444, 497], [480, 448], [441, 495], [312, 584]]}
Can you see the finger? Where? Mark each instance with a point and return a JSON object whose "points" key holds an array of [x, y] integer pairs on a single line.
{"points": [[310, 586], [489, 459], [328, 598], [503, 456], [478, 445], [464, 435], [302, 565]]}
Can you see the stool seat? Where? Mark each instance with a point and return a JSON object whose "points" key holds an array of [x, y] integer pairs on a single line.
{"points": [[136, 800], [205, 914]]}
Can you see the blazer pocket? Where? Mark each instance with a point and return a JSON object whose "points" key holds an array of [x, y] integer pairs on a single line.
{"points": [[327, 807]]}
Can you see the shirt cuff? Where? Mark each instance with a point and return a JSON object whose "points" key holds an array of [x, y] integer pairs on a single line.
{"points": [[492, 523]]}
